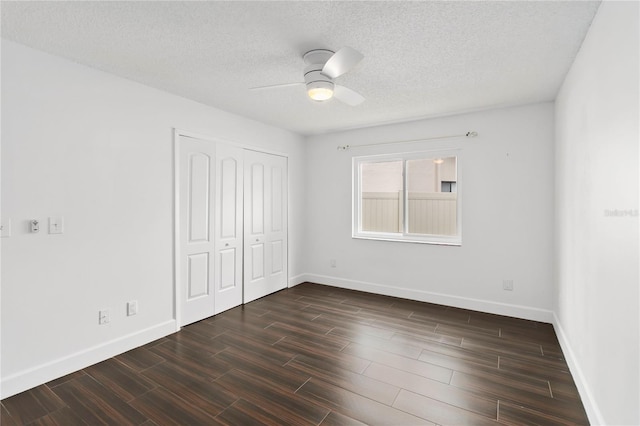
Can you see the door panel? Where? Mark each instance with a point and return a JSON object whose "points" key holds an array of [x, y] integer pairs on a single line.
{"points": [[265, 200], [198, 275], [276, 199], [198, 204], [228, 197], [227, 269], [257, 199], [229, 224], [257, 261], [196, 162], [276, 257]]}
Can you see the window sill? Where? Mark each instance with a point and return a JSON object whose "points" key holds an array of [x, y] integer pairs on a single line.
{"points": [[433, 240]]}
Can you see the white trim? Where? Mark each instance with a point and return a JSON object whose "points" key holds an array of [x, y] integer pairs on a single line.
{"points": [[589, 402], [177, 309], [35, 376], [209, 138], [482, 305], [429, 239], [298, 279]]}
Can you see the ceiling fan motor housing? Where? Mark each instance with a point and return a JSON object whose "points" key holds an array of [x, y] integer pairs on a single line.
{"points": [[313, 77], [317, 56]]}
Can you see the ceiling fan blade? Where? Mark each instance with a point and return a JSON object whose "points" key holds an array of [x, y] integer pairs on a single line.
{"points": [[341, 62], [275, 86], [348, 96]]}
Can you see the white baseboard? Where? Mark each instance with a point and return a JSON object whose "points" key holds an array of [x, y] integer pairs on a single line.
{"points": [[298, 279], [517, 311], [590, 406], [44, 373]]}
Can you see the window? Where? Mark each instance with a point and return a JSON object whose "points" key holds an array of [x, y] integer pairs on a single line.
{"points": [[411, 197]]}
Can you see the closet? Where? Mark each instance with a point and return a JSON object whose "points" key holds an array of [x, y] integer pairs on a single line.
{"points": [[231, 226]]}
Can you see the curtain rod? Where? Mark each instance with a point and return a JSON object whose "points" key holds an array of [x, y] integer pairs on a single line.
{"points": [[466, 135]]}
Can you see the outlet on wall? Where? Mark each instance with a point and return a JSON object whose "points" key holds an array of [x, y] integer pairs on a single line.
{"points": [[132, 308], [332, 262], [104, 317], [5, 228], [56, 225], [507, 285]]}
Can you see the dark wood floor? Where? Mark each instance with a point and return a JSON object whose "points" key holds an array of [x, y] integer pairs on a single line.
{"points": [[317, 355]]}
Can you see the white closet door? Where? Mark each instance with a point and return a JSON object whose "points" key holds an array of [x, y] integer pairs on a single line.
{"points": [[265, 224], [228, 228], [196, 175]]}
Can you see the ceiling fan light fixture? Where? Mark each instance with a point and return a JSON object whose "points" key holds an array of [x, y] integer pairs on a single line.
{"points": [[322, 66], [320, 90]]}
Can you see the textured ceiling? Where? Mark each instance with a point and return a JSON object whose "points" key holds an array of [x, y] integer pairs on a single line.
{"points": [[421, 58]]}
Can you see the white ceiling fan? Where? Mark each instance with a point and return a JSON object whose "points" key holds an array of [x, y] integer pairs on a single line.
{"points": [[322, 67]]}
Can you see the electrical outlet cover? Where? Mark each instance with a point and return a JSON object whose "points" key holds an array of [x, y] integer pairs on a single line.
{"points": [[132, 308], [103, 316], [56, 225], [5, 228]]}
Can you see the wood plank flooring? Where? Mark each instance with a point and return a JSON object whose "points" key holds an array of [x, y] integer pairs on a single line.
{"points": [[318, 355]]}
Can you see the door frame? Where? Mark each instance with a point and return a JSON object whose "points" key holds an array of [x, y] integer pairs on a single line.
{"points": [[177, 134]]}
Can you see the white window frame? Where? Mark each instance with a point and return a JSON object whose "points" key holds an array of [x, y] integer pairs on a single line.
{"points": [[450, 240]]}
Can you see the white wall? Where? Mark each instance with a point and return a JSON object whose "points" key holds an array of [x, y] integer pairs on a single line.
{"points": [[507, 195], [597, 170], [98, 150]]}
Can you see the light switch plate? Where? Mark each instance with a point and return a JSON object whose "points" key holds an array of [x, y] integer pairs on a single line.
{"points": [[132, 308], [56, 225], [5, 228]]}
